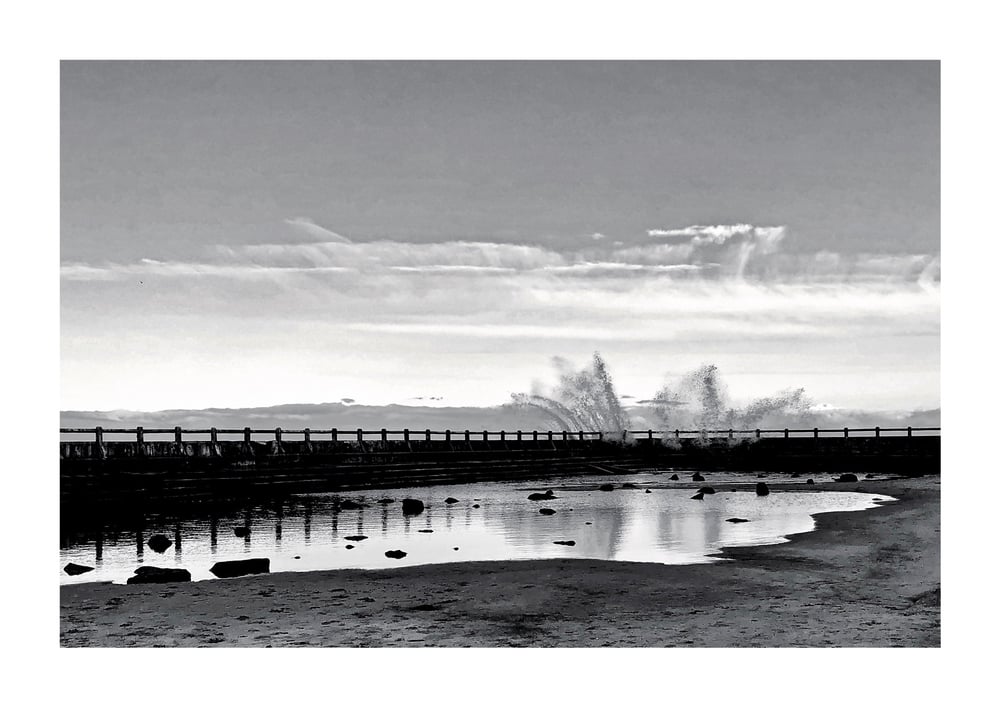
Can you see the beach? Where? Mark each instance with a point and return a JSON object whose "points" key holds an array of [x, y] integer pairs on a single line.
{"points": [[868, 578]]}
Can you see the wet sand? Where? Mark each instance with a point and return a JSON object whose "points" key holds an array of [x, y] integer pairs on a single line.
{"points": [[868, 578]]}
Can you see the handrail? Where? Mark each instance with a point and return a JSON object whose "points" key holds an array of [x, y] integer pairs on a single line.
{"points": [[359, 434]]}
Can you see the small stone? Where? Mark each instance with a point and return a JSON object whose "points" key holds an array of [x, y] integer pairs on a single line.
{"points": [[737, 520], [762, 489], [159, 575], [240, 568], [73, 569], [349, 505], [629, 486], [386, 501], [425, 530], [706, 489], [348, 547], [241, 532], [540, 496], [546, 511], [355, 538], [847, 478], [607, 487], [475, 505], [412, 507], [698, 496], [451, 500], [648, 491], [697, 477], [674, 477], [395, 554], [159, 543], [564, 542], [810, 481]]}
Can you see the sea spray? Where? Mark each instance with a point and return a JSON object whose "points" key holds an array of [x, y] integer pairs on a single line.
{"points": [[582, 400]]}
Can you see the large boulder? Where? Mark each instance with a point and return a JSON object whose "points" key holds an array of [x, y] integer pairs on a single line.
{"points": [[159, 575], [541, 496], [762, 489], [159, 543], [412, 507], [73, 569], [810, 481], [238, 568], [395, 554], [846, 477]]}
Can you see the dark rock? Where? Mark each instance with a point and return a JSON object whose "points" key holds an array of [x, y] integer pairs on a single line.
{"points": [[451, 500], [846, 477], [796, 475], [238, 568], [675, 477], [546, 511], [607, 487], [541, 496], [648, 491], [412, 507], [697, 477], [810, 481], [355, 538], [350, 505], [588, 523], [698, 496], [159, 543], [564, 542], [348, 547], [737, 520], [629, 486], [454, 548], [297, 557], [475, 505], [395, 554], [159, 575], [241, 532], [386, 501], [706, 489], [762, 489], [425, 530], [73, 569]]}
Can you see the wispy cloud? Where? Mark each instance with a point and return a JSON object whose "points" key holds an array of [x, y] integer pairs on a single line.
{"points": [[313, 229]]}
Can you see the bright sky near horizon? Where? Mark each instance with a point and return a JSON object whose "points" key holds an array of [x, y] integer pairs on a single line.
{"points": [[257, 233]]}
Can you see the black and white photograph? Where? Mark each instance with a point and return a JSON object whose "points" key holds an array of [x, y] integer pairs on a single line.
{"points": [[420, 353]]}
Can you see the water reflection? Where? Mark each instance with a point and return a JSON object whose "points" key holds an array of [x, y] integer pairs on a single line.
{"points": [[500, 523]]}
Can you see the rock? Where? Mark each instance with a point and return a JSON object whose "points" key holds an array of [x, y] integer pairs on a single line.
{"points": [[546, 511], [607, 487], [239, 568], [810, 481], [698, 496], [454, 548], [159, 543], [425, 530], [697, 477], [241, 532], [355, 538], [648, 491], [451, 500], [629, 486], [395, 554], [297, 557], [412, 507], [846, 477], [706, 489], [73, 569], [159, 575], [350, 505], [675, 477], [541, 496], [571, 543], [475, 505], [762, 489], [348, 547], [737, 520], [588, 523], [796, 475], [386, 501]]}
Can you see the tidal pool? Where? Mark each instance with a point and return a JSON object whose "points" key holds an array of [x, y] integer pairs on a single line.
{"points": [[489, 521]]}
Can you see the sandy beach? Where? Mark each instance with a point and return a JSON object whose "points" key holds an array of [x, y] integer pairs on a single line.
{"points": [[869, 578]]}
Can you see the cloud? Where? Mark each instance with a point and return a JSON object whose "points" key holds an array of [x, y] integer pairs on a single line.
{"points": [[597, 236], [311, 228]]}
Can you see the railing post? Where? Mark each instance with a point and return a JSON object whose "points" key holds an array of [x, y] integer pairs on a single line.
{"points": [[213, 436], [277, 435], [756, 433], [385, 435], [786, 433], [677, 434], [447, 435], [139, 435], [878, 431], [550, 435], [503, 435], [649, 433], [361, 435], [334, 434], [565, 435], [534, 435], [486, 436], [845, 432], [600, 436], [815, 433], [909, 431], [406, 435], [581, 435], [519, 435], [177, 435], [427, 435], [467, 435], [246, 435], [730, 433]]}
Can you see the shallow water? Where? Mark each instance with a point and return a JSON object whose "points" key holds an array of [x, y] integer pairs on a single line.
{"points": [[309, 533]]}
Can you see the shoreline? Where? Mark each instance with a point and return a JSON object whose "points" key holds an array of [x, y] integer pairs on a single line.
{"points": [[859, 578]]}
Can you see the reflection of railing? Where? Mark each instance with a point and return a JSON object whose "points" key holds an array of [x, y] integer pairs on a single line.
{"points": [[406, 435]]}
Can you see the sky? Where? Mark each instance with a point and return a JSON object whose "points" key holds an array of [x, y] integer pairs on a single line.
{"points": [[257, 233]]}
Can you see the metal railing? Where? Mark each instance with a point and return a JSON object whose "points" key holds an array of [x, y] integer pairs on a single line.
{"points": [[361, 435]]}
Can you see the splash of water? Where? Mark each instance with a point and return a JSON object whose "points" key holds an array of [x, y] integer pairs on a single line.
{"points": [[582, 400]]}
